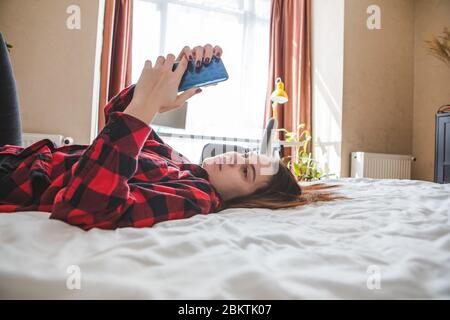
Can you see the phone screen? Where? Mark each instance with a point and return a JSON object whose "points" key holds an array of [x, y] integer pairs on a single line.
{"points": [[206, 74]]}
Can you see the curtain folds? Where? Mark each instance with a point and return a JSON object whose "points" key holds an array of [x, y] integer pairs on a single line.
{"points": [[116, 60]]}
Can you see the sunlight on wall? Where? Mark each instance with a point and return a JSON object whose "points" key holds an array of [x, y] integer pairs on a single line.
{"points": [[327, 80], [327, 127]]}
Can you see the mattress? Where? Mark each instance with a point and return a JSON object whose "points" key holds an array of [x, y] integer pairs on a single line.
{"points": [[389, 240]]}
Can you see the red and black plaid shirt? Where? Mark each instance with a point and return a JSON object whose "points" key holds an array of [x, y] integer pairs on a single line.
{"points": [[127, 177]]}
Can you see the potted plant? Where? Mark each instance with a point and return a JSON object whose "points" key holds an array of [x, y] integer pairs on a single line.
{"points": [[304, 167]]}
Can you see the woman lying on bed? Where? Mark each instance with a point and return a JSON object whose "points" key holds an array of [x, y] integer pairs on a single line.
{"points": [[129, 177]]}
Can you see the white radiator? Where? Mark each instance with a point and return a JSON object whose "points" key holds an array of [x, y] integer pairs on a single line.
{"points": [[30, 138], [380, 165]]}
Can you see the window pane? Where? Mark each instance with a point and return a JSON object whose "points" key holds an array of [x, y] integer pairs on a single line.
{"points": [[210, 4], [213, 112], [146, 34], [262, 9], [234, 108]]}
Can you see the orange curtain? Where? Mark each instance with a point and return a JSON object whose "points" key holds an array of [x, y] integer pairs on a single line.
{"points": [[290, 59], [116, 61]]}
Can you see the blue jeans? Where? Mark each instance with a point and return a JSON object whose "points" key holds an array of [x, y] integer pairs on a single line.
{"points": [[10, 124]]}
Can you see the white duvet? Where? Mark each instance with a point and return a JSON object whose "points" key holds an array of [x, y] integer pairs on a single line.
{"points": [[391, 240]]}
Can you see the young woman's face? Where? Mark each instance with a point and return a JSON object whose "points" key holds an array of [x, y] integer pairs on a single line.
{"points": [[235, 174]]}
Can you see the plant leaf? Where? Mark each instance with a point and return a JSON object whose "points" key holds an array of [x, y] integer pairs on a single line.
{"points": [[297, 169]]}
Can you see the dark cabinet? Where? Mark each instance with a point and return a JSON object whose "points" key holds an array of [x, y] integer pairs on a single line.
{"points": [[442, 157]]}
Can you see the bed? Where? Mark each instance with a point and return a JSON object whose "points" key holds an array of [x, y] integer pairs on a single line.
{"points": [[391, 240]]}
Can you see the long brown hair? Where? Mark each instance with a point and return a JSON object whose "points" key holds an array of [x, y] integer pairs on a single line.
{"points": [[283, 191]]}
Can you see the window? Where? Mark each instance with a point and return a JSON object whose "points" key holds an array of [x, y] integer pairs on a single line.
{"points": [[234, 108]]}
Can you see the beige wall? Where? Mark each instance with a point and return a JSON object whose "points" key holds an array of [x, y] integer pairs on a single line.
{"points": [[55, 67], [389, 89], [378, 80], [431, 84]]}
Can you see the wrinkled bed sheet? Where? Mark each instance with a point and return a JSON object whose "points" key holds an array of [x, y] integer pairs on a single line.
{"points": [[390, 240]]}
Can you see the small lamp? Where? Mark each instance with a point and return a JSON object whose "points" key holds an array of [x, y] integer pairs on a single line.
{"points": [[279, 96]]}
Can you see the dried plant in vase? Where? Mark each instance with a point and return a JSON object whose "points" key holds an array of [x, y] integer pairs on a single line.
{"points": [[439, 46], [8, 46]]}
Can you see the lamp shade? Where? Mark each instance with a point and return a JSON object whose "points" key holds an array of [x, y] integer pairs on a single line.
{"points": [[279, 95]]}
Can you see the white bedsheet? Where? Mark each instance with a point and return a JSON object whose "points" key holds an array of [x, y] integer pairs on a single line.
{"points": [[397, 231]]}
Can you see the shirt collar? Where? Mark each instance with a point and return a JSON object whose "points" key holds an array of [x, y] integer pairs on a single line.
{"points": [[200, 172]]}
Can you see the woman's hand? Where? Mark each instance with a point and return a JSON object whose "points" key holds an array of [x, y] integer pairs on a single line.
{"points": [[201, 54], [157, 89]]}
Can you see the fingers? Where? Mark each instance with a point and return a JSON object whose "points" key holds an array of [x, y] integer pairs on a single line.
{"points": [[179, 71], [207, 53], [181, 99], [217, 51], [159, 61], [168, 64], [198, 56], [148, 64], [187, 52]]}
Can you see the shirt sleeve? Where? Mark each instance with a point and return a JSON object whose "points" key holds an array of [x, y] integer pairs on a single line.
{"points": [[98, 193], [119, 102], [154, 142]]}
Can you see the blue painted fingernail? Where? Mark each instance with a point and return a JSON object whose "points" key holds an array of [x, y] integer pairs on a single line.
{"points": [[198, 64], [207, 60]]}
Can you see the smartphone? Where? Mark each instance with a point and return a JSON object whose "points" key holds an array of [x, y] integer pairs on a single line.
{"points": [[204, 75]]}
